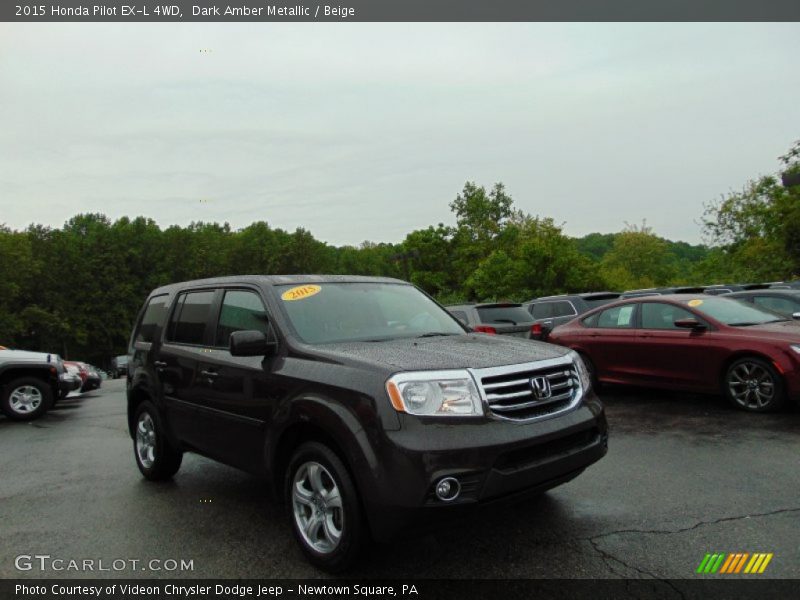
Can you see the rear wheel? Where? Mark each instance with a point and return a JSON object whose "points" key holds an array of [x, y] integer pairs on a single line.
{"points": [[155, 457], [326, 515], [26, 398], [754, 385]]}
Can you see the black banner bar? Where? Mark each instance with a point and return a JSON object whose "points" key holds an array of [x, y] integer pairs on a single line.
{"points": [[398, 10], [732, 588]]}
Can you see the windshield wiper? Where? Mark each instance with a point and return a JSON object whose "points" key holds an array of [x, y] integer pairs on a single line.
{"points": [[434, 334], [745, 324], [505, 321]]}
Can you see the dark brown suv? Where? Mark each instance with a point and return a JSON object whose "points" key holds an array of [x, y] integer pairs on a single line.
{"points": [[362, 400]]}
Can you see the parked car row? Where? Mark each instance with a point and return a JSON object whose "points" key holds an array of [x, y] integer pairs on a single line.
{"points": [[691, 342], [737, 339], [32, 382]]}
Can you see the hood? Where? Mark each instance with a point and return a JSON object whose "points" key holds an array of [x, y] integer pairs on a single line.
{"points": [[25, 356], [782, 330], [447, 352]]}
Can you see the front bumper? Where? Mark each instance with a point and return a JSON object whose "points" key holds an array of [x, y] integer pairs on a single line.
{"points": [[69, 384], [492, 460], [92, 383]]}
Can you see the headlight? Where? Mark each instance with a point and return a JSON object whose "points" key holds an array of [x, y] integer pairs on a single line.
{"points": [[795, 347], [435, 393], [583, 372]]}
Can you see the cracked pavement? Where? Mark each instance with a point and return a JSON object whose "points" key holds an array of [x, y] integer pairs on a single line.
{"points": [[684, 475]]}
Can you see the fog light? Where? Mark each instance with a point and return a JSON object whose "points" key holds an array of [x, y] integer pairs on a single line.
{"points": [[448, 489]]}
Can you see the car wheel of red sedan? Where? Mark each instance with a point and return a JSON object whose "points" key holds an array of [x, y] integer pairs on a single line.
{"points": [[753, 384]]}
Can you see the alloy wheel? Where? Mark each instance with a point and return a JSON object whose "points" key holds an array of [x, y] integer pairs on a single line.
{"points": [[317, 507], [146, 440], [751, 385], [25, 399]]}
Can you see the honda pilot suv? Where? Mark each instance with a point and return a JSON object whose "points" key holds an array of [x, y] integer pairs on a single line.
{"points": [[366, 404]]}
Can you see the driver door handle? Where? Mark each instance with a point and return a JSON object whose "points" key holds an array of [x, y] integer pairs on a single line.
{"points": [[159, 364], [209, 374]]}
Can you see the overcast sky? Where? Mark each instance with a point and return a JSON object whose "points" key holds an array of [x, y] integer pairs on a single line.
{"points": [[362, 131]]}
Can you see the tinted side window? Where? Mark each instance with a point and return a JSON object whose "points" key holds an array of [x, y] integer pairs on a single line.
{"points": [[152, 318], [542, 310], [563, 309], [591, 320], [619, 317], [780, 305], [662, 316], [188, 324], [241, 311]]}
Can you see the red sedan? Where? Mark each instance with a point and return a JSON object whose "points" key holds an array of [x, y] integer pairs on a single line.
{"points": [[696, 343]]}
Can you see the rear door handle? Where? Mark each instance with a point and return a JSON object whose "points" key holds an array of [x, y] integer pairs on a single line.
{"points": [[159, 364], [209, 374]]}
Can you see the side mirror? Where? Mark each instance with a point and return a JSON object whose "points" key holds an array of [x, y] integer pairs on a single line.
{"points": [[796, 316], [251, 343], [693, 324]]}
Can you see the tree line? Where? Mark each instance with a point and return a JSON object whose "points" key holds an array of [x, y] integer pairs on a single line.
{"points": [[76, 289]]}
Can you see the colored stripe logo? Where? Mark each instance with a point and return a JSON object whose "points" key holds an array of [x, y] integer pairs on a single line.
{"points": [[735, 563]]}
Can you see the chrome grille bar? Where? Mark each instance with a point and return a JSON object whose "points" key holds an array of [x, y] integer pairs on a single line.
{"points": [[509, 394]]}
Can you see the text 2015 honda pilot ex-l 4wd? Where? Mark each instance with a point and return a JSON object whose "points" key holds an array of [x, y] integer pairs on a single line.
{"points": [[364, 402]]}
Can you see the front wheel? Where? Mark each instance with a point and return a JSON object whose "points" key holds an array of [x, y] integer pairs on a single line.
{"points": [[754, 385], [326, 515], [26, 398], [155, 457]]}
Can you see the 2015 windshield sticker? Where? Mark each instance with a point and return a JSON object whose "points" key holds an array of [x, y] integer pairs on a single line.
{"points": [[694, 303], [300, 292]]}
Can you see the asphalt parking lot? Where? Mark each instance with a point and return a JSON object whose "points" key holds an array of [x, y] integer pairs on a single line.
{"points": [[685, 475]]}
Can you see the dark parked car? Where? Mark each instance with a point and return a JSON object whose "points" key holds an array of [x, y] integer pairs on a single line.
{"points": [[785, 302], [500, 318], [119, 366], [726, 288], [786, 285], [29, 383], [695, 343], [662, 291], [365, 404], [552, 311]]}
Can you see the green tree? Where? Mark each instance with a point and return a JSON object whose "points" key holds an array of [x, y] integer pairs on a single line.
{"points": [[637, 259], [759, 227]]}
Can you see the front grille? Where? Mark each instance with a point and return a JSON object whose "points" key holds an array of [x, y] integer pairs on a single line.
{"points": [[510, 391]]}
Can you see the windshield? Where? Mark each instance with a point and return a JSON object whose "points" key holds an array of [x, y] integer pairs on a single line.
{"points": [[359, 312], [733, 312]]}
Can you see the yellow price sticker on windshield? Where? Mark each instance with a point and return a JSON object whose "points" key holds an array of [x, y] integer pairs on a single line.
{"points": [[695, 303], [300, 292]]}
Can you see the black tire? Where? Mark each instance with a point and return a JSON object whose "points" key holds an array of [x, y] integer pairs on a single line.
{"points": [[26, 398], [164, 460], [348, 516], [752, 384]]}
